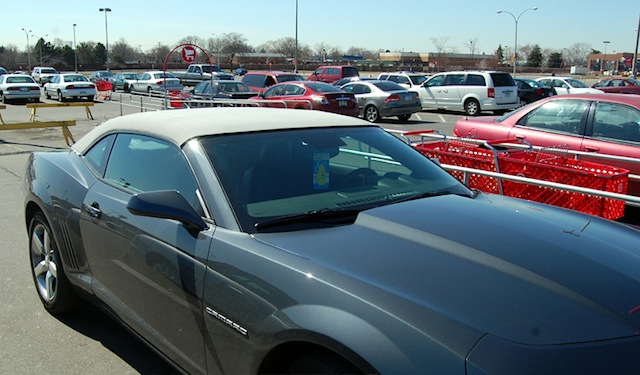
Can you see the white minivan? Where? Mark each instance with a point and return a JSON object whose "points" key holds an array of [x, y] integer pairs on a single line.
{"points": [[470, 91]]}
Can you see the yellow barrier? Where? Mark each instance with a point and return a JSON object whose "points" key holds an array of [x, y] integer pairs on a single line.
{"points": [[44, 124], [35, 106]]}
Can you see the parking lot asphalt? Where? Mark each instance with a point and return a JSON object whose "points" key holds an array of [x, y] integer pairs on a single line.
{"points": [[87, 342]]}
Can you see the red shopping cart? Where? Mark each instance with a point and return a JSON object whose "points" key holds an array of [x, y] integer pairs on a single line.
{"points": [[547, 164]]}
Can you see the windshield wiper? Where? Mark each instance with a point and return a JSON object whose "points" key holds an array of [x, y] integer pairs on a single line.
{"points": [[321, 215], [430, 194]]}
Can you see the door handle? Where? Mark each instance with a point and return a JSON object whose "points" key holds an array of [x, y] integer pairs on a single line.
{"points": [[94, 210], [592, 149]]}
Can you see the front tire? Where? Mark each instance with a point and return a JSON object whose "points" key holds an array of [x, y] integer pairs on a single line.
{"points": [[371, 113], [90, 98], [54, 289], [472, 107]]}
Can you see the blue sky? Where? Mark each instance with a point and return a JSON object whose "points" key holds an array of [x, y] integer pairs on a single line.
{"points": [[408, 25]]}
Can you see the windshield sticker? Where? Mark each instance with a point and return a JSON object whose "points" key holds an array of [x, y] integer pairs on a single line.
{"points": [[321, 170]]}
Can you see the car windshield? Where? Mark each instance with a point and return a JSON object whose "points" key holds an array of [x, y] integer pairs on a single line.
{"points": [[289, 77], [273, 175], [163, 75], [210, 68], [323, 87], [233, 87], [577, 84], [48, 71], [418, 79], [21, 79], [388, 86], [75, 78]]}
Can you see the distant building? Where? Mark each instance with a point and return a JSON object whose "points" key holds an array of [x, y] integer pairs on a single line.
{"points": [[611, 62], [433, 62]]}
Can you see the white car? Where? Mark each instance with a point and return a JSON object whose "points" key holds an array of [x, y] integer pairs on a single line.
{"points": [[68, 86], [568, 85], [408, 80], [155, 81], [18, 86]]}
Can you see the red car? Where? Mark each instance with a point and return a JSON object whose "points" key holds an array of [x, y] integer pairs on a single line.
{"points": [[618, 85], [310, 95], [607, 124]]}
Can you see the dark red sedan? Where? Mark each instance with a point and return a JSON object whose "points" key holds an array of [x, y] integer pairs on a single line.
{"points": [[618, 85], [310, 95], [606, 124]]}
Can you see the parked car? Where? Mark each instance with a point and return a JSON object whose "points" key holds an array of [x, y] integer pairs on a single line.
{"points": [[69, 86], [604, 124], [3, 71], [100, 75], [41, 74], [210, 90], [343, 81], [122, 81], [568, 85], [309, 95], [155, 81], [332, 73], [618, 85], [471, 92], [260, 81], [530, 90], [378, 99], [408, 80], [240, 71], [266, 241], [18, 86]]}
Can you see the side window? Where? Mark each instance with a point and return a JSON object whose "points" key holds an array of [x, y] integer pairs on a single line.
{"points": [[616, 121], [454, 80], [274, 91], [561, 116], [140, 164], [269, 81], [435, 81], [318, 71], [98, 154], [475, 80], [384, 76]]}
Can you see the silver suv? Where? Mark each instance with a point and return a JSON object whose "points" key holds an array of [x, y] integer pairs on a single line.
{"points": [[470, 91], [42, 74]]}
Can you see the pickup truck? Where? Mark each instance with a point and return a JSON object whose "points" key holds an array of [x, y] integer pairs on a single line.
{"points": [[197, 73]]}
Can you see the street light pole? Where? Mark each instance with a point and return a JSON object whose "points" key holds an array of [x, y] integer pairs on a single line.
{"points": [[75, 49], [515, 45], [106, 32], [41, 42], [604, 58], [295, 57], [28, 49]]}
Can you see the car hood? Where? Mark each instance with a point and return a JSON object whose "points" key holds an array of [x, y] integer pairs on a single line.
{"points": [[523, 271]]}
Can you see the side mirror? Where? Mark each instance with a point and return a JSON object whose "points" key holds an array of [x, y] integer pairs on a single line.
{"points": [[166, 204]]}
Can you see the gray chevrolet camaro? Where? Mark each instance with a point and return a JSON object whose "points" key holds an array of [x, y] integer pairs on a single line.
{"points": [[260, 240]]}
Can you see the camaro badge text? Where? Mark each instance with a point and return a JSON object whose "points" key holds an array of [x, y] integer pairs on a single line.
{"points": [[238, 328]]}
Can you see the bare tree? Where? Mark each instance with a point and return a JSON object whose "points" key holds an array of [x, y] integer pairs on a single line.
{"points": [[193, 39], [472, 45], [122, 52], [158, 53], [577, 54], [440, 43]]}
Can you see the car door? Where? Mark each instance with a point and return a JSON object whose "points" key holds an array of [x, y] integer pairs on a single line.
{"points": [[51, 87], [433, 87], [614, 129], [557, 123], [450, 97], [361, 93], [148, 271]]}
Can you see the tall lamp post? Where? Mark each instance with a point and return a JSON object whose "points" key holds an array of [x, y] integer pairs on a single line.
{"points": [[295, 56], [75, 49], [106, 32], [28, 49], [604, 58], [515, 45], [41, 42]]}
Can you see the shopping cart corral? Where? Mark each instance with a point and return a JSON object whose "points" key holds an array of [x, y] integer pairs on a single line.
{"points": [[552, 175]]}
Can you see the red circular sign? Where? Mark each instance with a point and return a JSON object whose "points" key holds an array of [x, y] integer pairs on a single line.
{"points": [[189, 54]]}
